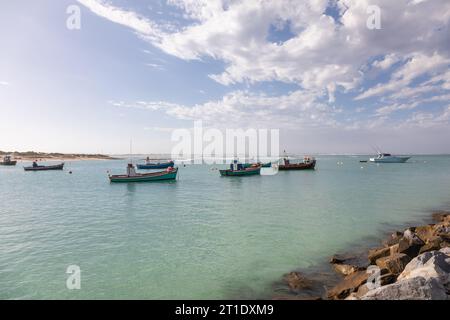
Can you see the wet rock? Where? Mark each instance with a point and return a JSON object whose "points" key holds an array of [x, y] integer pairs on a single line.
{"points": [[375, 254], [434, 264], [297, 281], [417, 288], [347, 264], [349, 284], [395, 263]]}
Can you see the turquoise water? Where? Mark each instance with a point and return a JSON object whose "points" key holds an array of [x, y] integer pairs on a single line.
{"points": [[202, 236]]}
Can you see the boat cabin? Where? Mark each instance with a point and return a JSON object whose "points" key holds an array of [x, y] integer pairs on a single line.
{"points": [[131, 171]]}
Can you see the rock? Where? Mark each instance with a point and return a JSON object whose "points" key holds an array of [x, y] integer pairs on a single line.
{"points": [[393, 249], [345, 269], [393, 239], [349, 284], [441, 216], [445, 251], [375, 254], [434, 264], [425, 232], [347, 264], [417, 288], [352, 296], [395, 263], [410, 245], [297, 281], [388, 278], [432, 244]]}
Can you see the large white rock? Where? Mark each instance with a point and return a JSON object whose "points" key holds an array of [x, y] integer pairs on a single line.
{"points": [[417, 288], [433, 264]]}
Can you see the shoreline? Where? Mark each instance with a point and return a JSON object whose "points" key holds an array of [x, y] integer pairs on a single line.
{"points": [[346, 275], [45, 156]]}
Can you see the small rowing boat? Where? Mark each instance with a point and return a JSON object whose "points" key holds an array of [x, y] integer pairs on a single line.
{"points": [[7, 161], [132, 176], [36, 167], [155, 165], [238, 170]]}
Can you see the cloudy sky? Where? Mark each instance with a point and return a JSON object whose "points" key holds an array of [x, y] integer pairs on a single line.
{"points": [[139, 69]]}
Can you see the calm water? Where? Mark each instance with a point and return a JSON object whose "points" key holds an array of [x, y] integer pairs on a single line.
{"points": [[202, 236]]}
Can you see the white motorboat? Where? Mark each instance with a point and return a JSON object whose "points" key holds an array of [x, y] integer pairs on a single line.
{"points": [[388, 158]]}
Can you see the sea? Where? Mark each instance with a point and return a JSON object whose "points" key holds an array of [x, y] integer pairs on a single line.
{"points": [[202, 236]]}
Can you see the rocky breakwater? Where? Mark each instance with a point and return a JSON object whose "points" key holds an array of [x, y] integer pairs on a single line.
{"points": [[413, 264]]}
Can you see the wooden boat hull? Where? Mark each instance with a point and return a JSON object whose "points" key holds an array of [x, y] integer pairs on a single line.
{"points": [[298, 166], [9, 163], [156, 165], [240, 173], [45, 168], [146, 177]]}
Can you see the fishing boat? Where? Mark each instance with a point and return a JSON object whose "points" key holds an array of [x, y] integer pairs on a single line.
{"points": [[388, 158], [309, 163], [155, 165], [238, 170], [7, 161], [132, 176], [36, 167]]}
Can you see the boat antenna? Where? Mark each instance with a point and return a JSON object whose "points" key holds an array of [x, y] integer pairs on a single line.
{"points": [[131, 151]]}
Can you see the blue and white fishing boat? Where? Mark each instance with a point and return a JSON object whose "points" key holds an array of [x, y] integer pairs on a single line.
{"points": [[155, 165]]}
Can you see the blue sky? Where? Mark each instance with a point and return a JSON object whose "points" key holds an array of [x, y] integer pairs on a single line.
{"points": [[139, 69]]}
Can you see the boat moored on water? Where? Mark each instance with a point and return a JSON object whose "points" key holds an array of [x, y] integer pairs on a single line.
{"points": [[239, 170], [155, 165], [309, 163], [36, 167], [7, 161], [132, 176], [388, 158]]}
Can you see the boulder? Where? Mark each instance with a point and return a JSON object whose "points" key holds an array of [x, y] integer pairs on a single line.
{"points": [[395, 263], [417, 288], [393, 239], [425, 232], [349, 284], [410, 244], [432, 244], [375, 254], [441, 216], [347, 264], [297, 281], [393, 249], [433, 264]]}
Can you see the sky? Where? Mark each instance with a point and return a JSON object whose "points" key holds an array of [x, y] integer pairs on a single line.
{"points": [[140, 69]]}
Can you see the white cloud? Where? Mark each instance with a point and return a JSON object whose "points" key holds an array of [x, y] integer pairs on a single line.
{"points": [[325, 55], [4, 83]]}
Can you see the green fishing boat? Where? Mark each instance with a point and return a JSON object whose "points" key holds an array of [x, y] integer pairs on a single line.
{"points": [[131, 176], [238, 170]]}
